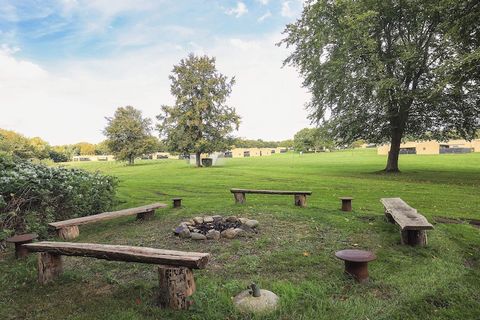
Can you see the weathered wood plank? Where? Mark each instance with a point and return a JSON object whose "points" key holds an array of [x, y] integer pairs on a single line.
{"points": [[281, 192], [193, 260], [106, 216], [405, 216]]}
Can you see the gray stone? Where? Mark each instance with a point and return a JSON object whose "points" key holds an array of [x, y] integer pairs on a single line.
{"points": [[207, 219], [180, 229], [247, 303], [217, 218], [232, 219], [185, 233], [242, 220], [251, 223], [198, 220], [213, 234], [229, 233], [198, 236], [240, 232], [189, 222]]}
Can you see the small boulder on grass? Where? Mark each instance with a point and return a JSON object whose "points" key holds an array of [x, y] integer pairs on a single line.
{"points": [[229, 233], [198, 220], [251, 223], [213, 234], [198, 236], [184, 233]]}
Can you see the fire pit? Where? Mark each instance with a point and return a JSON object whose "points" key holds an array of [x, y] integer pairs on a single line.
{"points": [[215, 227]]}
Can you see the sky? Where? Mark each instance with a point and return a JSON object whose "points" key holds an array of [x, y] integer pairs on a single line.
{"points": [[65, 65]]}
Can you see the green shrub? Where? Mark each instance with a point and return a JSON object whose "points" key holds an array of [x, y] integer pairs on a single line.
{"points": [[33, 195]]}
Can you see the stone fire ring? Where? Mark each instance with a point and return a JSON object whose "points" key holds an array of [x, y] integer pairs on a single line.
{"points": [[215, 227]]}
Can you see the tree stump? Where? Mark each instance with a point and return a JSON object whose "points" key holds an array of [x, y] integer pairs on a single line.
{"points": [[346, 203], [176, 285], [177, 203], [414, 237], [68, 233], [147, 215], [49, 266], [356, 263], [19, 241], [300, 200], [239, 197]]}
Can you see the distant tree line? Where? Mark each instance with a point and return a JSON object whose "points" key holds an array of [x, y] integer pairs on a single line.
{"points": [[259, 143]]}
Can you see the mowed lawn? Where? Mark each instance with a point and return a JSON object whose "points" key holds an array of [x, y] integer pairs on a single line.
{"points": [[293, 253]]}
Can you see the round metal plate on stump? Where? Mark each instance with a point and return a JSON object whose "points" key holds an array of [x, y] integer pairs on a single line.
{"points": [[356, 262], [18, 240]]}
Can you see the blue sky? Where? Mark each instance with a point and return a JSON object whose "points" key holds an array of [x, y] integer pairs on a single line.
{"points": [[85, 58]]}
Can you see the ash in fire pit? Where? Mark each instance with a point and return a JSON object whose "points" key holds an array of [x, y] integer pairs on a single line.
{"points": [[215, 227]]}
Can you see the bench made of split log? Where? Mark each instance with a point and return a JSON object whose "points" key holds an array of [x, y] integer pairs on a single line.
{"points": [[300, 197], [412, 224], [68, 229], [175, 267]]}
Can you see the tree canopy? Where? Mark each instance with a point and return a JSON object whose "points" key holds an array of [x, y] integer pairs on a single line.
{"points": [[313, 139], [381, 70], [128, 134], [200, 121]]}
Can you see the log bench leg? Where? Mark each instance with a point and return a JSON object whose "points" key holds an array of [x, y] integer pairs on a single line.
{"points": [[147, 215], [49, 266], [389, 217], [68, 233], [176, 285], [239, 197], [300, 200], [414, 237]]}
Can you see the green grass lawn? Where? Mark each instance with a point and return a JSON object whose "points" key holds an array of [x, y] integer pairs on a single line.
{"points": [[292, 255]]}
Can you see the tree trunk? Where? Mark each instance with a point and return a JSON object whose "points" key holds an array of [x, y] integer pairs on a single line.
{"points": [[198, 160], [131, 160], [392, 161], [176, 285]]}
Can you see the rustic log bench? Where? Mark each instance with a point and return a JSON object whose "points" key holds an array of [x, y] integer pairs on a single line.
{"points": [[68, 229], [300, 197], [175, 267], [412, 224]]}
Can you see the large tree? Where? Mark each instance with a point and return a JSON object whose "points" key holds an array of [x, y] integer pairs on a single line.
{"points": [[313, 139], [128, 134], [200, 121], [381, 70]]}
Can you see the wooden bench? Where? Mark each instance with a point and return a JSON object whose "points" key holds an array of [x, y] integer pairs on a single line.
{"points": [[68, 229], [412, 224], [175, 267], [300, 197]]}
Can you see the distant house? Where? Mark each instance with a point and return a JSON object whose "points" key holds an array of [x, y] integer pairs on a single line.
{"points": [[434, 147], [94, 158]]}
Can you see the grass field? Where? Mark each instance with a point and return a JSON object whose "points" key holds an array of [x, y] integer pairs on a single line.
{"points": [[293, 254]]}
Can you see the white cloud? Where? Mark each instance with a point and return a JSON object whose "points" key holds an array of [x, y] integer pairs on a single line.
{"points": [[238, 11], [267, 14], [287, 10], [264, 2], [67, 102]]}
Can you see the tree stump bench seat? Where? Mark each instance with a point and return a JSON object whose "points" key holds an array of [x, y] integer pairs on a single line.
{"points": [[175, 267], [356, 263], [19, 240], [412, 224], [68, 229], [300, 197]]}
